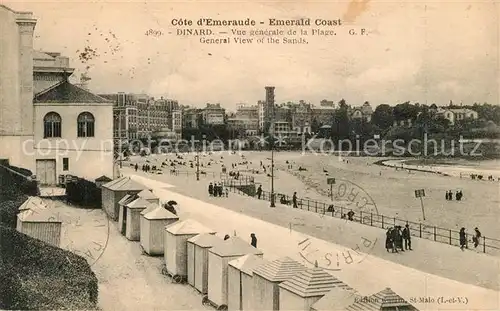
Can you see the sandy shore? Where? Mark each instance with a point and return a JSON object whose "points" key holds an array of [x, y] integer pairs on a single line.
{"points": [[392, 190]]}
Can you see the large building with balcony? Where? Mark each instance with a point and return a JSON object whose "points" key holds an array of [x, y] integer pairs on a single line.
{"points": [[137, 116], [213, 114]]}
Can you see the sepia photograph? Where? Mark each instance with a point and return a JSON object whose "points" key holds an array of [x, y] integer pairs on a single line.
{"points": [[240, 155]]}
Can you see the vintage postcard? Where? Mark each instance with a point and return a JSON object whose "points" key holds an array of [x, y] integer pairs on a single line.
{"points": [[242, 155]]}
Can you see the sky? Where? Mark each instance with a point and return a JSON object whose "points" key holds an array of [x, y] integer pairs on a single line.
{"points": [[426, 52]]}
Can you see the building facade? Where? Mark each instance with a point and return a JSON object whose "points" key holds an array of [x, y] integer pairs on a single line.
{"points": [[16, 87], [457, 114], [137, 116], [213, 114], [364, 112], [73, 134]]}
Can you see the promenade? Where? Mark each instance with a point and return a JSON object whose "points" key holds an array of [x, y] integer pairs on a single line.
{"points": [[432, 270]]}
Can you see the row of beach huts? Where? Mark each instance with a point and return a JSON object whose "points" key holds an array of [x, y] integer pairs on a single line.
{"points": [[230, 274]]}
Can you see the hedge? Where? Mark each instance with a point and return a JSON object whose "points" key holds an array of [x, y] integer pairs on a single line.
{"points": [[83, 193], [37, 276]]}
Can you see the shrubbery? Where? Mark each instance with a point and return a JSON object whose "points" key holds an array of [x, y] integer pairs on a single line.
{"points": [[38, 276], [35, 275], [84, 193]]}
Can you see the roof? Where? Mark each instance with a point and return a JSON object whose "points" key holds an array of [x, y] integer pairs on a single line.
{"points": [[103, 178], [138, 203], [65, 92], [383, 299], [124, 184], [160, 213], [234, 246], [312, 283], [150, 208], [34, 209], [336, 299], [280, 269], [32, 203], [247, 263], [188, 226], [126, 199], [147, 195], [205, 240]]}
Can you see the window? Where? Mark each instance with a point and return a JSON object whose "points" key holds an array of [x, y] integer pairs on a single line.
{"points": [[65, 164], [51, 125], [86, 123]]}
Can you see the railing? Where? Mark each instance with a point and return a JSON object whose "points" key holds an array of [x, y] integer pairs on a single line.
{"points": [[190, 173], [433, 233]]}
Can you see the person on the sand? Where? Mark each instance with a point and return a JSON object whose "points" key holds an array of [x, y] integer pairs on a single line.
{"points": [[136, 167], [259, 191], [254, 240], [294, 200]]}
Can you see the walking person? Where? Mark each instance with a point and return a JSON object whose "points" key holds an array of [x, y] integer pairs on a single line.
{"points": [[294, 200], [388, 240], [136, 167], [253, 240], [407, 237], [259, 191], [476, 237], [210, 189], [463, 238], [394, 239]]}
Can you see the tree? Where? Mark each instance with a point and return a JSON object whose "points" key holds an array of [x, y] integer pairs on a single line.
{"points": [[341, 126], [315, 125], [405, 111], [383, 116]]}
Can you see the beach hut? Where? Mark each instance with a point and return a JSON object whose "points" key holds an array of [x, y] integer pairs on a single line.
{"points": [[306, 288], [131, 218], [113, 191], [266, 279], [175, 243], [149, 196], [197, 257], [336, 299], [240, 282], [385, 300], [151, 207], [153, 227], [39, 222], [121, 207], [218, 258]]}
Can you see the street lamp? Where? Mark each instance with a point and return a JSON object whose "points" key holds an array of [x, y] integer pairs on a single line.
{"points": [[197, 167], [272, 161]]}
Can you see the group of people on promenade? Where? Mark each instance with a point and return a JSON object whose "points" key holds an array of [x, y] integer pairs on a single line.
{"points": [[145, 168], [458, 195], [217, 190], [463, 238], [395, 237]]}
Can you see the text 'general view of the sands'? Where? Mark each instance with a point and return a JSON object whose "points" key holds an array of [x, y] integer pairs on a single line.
{"points": [[248, 31]]}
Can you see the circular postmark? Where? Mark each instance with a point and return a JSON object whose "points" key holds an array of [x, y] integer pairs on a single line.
{"points": [[352, 204]]}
